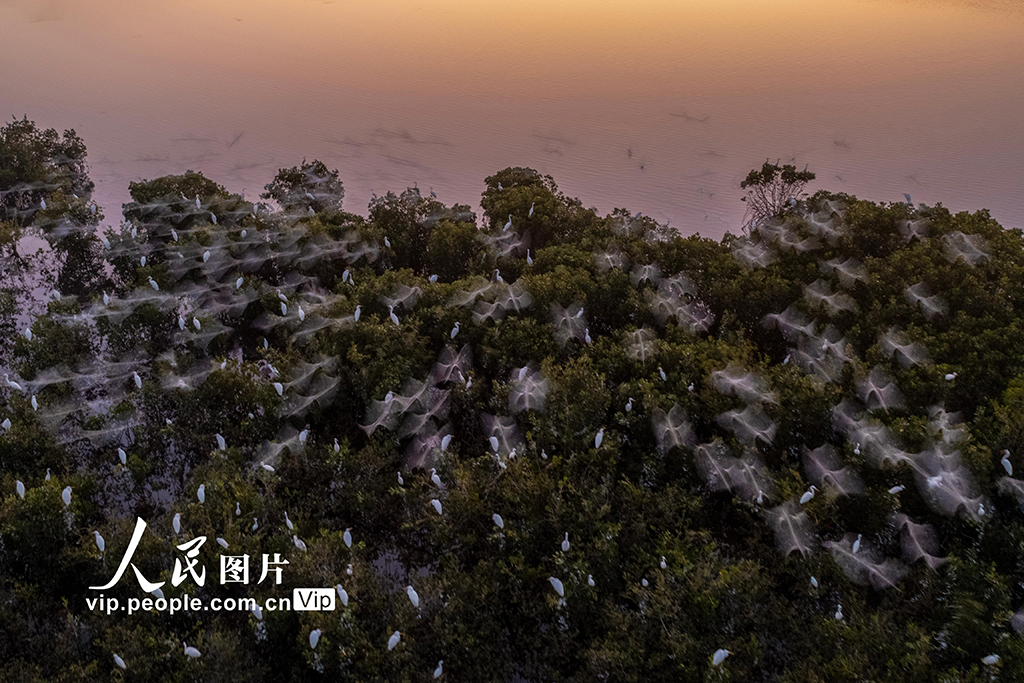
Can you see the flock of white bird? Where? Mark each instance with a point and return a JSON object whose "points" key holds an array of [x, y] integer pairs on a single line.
{"points": [[206, 283]]}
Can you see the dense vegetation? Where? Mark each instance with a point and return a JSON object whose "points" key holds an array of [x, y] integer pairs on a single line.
{"points": [[663, 403]]}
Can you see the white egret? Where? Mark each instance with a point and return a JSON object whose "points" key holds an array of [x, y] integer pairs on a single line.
{"points": [[599, 439], [176, 523], [950, 376], [342, 594], [222, 443], [437, 505], [239, 282], [66, 496], [814, 582], [119, 661], [284, 308], [34, 402], [238, 508], [494, 443], [565, 543], [122, 456], [201, 493], [498, 521], [990, 660], [222, 543], [28, 333], [629, 404], [12, 384], [303, 435], [174, 234], [446, 441], [432, 279], [20, 488], [664, 377], [401, 482], [856, 545], [153, 283], [255, 524], [42, 204], [664, 563], [414, 597], [897, 489], [387, 242], [1007, 465], [314, 638], [206, 256], [288, 522], [337, 446], [455, 330], [434, 478], [142, 261], [530, 214], [529, 259], [808, 495], [347, 537], [440, 668], [586, 336], [393, 640], [213, 218], [6, 424], [302, 314], [839, 613], [720, 656], [106, 299], [643, 582], [138, 380], [508, 224], [279, 388], [299, 543], [590, 580], [391, 314], [557, 585], [189, 650]]}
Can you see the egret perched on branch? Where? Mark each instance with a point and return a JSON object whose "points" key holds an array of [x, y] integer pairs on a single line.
{"points": [[557, 585], [119, 661], [347, 537], [720, 656], [176, 523], [394, 639], [1007, 465], [391, 314], [808, 495], [565, 543], [191, 651], [414, 597], [455, 330], [20, 488], [66, 496], [201, 493], [314, 638], [100, 543], [440, 668], [437, 505], [498, 521]]}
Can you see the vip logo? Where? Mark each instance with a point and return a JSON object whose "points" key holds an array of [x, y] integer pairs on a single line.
{"points": [[313, 599]]}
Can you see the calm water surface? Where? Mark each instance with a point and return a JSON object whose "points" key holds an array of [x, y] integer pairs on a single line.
{"points": [[659, 106]]}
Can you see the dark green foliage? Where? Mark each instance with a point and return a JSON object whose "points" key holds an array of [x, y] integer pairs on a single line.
{"points": [[608, 316]]}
